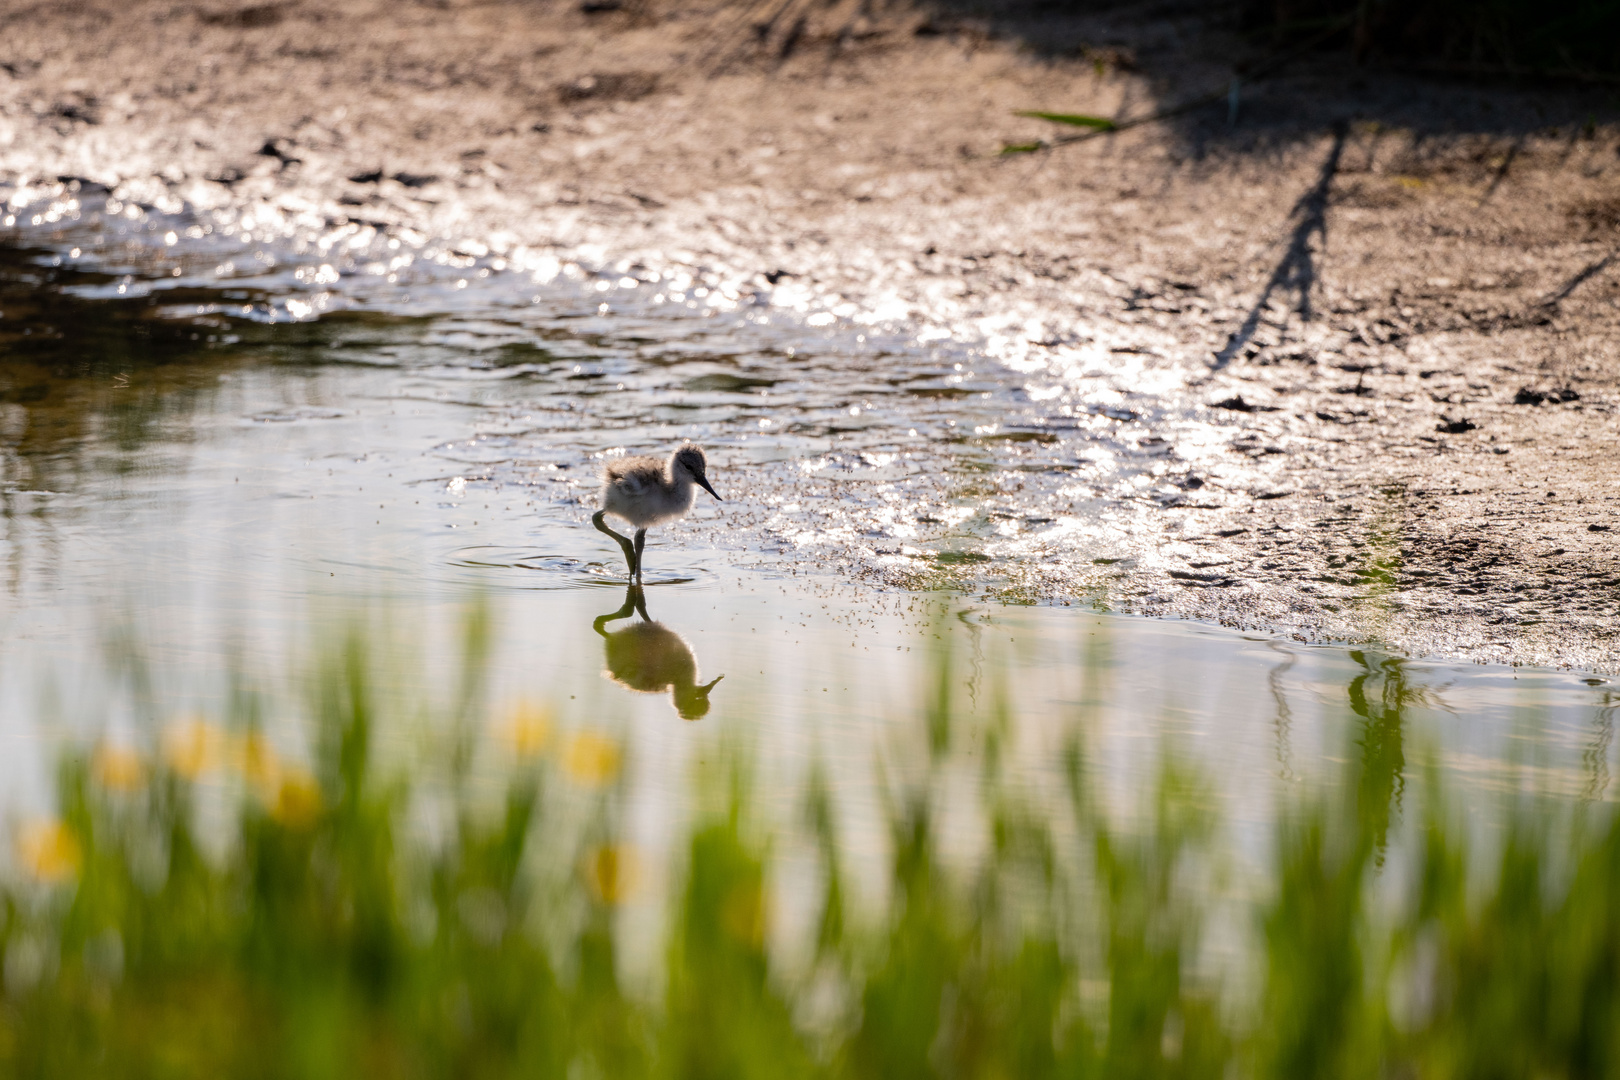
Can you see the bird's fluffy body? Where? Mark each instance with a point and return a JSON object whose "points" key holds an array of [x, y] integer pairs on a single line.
{"points": [[641, 491], [648, 491]]}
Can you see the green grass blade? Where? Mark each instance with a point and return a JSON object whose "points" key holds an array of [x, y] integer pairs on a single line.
{"points": [[1098, 123]]}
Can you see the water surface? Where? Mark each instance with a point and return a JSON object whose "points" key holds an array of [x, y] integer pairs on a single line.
{"points": [[196, 490]]}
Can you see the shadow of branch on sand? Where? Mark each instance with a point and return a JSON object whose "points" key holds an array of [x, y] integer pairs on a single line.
{"points": [[1296, 272], [1591, 271]]}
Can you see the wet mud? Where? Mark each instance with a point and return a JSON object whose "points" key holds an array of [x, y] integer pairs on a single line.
{"points": [[1335, 356]]}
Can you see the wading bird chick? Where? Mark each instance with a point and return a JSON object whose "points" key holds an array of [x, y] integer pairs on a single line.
{"points": [[647, 491]]}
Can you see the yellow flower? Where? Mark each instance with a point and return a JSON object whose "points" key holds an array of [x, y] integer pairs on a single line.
{"points": [[260, 766], [527, 730], [49, 851], [117, 768], [611, 873], [192, 747], [297, 801], [592, 760]]}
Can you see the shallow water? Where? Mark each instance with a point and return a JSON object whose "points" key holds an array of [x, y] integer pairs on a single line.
{"points": [[193, 484], [909, 454]]}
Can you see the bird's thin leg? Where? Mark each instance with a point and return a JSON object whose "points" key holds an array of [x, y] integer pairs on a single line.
{"points": [[641, 543], [624, 541], [632, 603]]}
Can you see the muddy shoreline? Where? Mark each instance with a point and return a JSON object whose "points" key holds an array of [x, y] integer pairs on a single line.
{"points": [[1365, 335]]}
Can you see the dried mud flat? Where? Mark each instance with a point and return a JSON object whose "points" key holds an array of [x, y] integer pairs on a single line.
{"points": [[1367, 332]]}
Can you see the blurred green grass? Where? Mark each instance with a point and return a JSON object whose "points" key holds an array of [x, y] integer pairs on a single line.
{"points": [[336, 915]]}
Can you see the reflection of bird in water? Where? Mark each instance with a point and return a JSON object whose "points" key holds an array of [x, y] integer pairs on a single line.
{"points": [[648, 491], [650, 658]]}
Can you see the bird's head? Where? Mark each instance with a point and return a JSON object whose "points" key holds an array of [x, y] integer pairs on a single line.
{"points": [[690, 462], [692, 702]]}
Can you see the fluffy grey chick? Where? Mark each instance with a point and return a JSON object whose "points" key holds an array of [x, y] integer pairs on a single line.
{"points": [[648, 491]]}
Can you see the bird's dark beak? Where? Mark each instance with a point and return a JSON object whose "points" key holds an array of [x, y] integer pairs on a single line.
{"points": [[703, 482]]}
